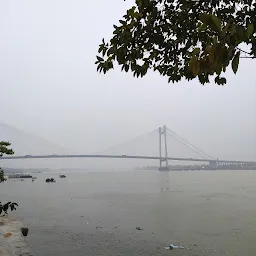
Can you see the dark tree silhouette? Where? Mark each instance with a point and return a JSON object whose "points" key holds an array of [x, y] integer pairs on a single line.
{"points": [[182, 39]]}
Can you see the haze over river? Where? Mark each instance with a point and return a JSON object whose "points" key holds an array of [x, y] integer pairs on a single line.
{"points": [[96, 213]]}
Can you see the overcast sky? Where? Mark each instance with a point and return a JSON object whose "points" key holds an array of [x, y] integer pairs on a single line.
{"points": [[50, 87]]}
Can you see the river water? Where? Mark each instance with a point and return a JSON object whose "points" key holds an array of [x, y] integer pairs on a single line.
{"points": [[209, 213]]}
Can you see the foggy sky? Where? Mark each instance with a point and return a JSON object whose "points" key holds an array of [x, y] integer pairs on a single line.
{"points": [[50, 87]]}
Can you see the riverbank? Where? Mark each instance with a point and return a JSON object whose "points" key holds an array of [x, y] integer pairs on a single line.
{"points": [[12, 242]]}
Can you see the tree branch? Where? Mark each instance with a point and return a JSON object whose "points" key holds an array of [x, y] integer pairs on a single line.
{"points": [[242, 51], [248, 57]]}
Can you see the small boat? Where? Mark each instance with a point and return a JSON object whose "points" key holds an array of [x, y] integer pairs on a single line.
{"points": [[50, 180], [62, 176]]}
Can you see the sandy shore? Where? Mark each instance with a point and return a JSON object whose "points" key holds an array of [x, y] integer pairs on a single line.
{"points": [[12, 242]]}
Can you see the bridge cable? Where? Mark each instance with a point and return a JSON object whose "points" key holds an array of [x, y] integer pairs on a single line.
{"points": [[188, 144]]}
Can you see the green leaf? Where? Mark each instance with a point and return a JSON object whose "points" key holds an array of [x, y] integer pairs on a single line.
{"points": [[194, 66], [223, 80], [218, 66], [212, 51], [122, 22], [232, 29], [220, 80], [99, 58], [235, 62], [250, 30], [110, 51], [99, 67], [202, 27], [211, 20], [139, 2], [240, 33], [196, 51], [126, 68], [100, 48], [216, 22], [121, 57], [205, 18], [130, 12]]}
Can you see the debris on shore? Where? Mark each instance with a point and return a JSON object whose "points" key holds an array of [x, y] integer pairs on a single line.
{"points": [[24, 231]]}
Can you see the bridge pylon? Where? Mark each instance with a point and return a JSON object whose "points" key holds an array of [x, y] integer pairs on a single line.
{"points": [[163, 160]]}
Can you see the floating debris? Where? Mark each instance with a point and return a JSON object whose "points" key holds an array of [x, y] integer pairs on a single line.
{"points": [[138, 228], [172, 246]]}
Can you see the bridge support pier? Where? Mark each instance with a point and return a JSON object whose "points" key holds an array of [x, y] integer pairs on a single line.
{"points": [[214, 164], [165, 167]]}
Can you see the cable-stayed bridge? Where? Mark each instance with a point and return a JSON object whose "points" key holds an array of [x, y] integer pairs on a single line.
{"points": [[161, 144]]}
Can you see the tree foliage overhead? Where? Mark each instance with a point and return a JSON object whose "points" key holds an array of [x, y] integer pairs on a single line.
{"points": [[2, 178], [4, 149], [182, 38], [7, 206]]}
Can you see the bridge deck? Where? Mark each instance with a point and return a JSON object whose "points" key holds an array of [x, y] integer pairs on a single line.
{"points": [[122, 157]]}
